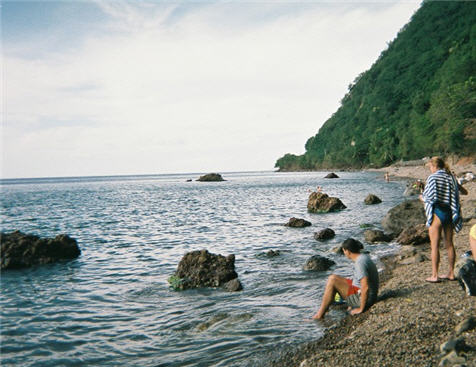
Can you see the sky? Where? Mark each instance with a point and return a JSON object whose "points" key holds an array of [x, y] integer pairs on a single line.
{"points": [[111, 87]]}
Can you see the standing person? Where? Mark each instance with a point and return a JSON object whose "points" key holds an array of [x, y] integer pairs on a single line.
{"points": [[361, 291], [443, 212]]}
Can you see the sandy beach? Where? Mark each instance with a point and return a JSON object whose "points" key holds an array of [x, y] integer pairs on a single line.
{"points": [[407, 326]]}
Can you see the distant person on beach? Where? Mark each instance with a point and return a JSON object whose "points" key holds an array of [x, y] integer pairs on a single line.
{"points": [[387, 177], [361, 291], [443, 212]]}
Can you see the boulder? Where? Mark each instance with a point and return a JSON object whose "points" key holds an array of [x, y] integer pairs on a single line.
{"points": [[324, 234], [199, 269], [233, 285], [211, 177], [414, 236], [272, 253], [372, 199], [373, 235], [331, 175], [321, 203], [298, 223], [19, 250], [406, 214], [318, 263]]}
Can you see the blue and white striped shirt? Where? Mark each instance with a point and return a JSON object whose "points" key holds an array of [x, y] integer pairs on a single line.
{"points": [[442, 188]]}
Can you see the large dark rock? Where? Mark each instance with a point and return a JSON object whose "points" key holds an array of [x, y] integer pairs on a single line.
{"points": [[373, 235], [414, 236], [331, 175], [372, 199], [19, 250], [298, 223], [199, 269], [407, 214], [318, 263], [321, 203], [211, 177], [325, 234]]}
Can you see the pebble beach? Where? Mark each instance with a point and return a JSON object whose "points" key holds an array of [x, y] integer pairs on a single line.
{"points": [[413, 318]]}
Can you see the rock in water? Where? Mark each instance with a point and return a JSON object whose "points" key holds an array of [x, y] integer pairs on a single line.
{"points": [[373, 235], [407, 214], [211, 177], [199, 269], [414, 236], [298, 223], [331, 175], [321, 203], [19, 250], [325, 234], [318, 263], [372, 199]]}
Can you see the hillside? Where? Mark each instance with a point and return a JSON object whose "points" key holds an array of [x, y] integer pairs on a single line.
{"points": [[418, 99]]}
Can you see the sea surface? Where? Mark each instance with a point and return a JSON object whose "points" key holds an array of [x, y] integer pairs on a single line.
{"points": [[113, 306]]}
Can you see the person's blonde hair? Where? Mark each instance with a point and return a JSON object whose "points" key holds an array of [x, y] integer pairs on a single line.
{"points": [[439, 163]]}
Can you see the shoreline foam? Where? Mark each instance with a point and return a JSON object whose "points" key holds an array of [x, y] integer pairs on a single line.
{"points": [[411, 319]]}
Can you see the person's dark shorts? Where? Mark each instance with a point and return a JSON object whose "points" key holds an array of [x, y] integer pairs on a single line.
{"points": [[443, 212]]}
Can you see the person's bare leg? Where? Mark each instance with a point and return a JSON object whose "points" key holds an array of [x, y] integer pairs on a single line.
{"points": [[434, 233], [335, 283], [448, 237], [472, 242]]}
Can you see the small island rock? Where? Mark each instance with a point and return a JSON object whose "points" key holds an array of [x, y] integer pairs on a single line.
{"points": [[372, 199], [298, 223], [211, 177], [203, 269], [19, 250], [318, 263], [325, 234], [321, 203], [331, 175]]}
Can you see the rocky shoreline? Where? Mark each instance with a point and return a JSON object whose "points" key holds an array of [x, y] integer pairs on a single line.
{"points": [[412, 319]]}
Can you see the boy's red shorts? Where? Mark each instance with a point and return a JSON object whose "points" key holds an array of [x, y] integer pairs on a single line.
{"points": [[352, 288]]}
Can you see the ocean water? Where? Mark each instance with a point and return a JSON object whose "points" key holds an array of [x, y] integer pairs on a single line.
{"points": [[113, 306]]}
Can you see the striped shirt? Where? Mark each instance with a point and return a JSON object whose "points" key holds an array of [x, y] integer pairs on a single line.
{"points": [[442, 188]]}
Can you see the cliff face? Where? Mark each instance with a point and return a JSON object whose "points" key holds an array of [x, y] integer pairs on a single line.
{"points": [[418, 99]]}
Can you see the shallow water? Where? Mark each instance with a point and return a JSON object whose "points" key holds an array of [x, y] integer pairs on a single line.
{"points": [[112, 306]]}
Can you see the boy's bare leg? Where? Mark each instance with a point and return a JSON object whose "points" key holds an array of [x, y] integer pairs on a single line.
{"points": [[335, 283]]}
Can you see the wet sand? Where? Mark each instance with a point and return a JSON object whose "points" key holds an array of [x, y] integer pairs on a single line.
{"points": [[412, 318]]}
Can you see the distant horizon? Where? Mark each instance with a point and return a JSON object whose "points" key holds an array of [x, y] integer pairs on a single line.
{"points": [[107, 88]]}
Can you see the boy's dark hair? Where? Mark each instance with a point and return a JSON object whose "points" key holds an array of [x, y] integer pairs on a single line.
{"points": [[352, 245]]}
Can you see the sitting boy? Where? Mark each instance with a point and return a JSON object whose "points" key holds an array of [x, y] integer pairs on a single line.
{"points": [[360, 292]]}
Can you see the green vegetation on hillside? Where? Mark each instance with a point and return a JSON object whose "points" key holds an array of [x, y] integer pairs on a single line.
{"points": [[418, 99]]}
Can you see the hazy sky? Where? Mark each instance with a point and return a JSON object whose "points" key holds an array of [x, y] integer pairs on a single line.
{"points": [[141, 87]]}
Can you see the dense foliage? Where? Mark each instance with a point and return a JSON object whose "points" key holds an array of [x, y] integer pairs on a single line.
{"points": [[418, 99]]}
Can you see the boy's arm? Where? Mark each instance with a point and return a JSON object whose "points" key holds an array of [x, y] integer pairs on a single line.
{"points": [[364, 295]]}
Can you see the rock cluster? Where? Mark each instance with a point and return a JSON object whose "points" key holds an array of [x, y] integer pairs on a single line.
{"points": [[318, 263], [211, 177], [199, 269], [19, 250], [454, 348], [321, 203], [298, 223]]}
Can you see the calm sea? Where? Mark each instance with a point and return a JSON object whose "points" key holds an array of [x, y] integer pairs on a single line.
{"points": [[113, 306]]}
